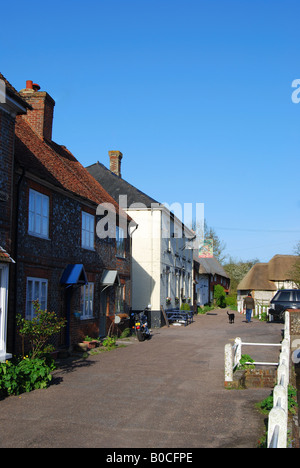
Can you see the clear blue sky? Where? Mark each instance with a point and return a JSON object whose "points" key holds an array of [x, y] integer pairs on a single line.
{"points": [[195, 93]]}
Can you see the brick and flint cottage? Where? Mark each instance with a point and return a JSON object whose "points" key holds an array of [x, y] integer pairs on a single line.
{"points": [[11, 105], [59, 257]]}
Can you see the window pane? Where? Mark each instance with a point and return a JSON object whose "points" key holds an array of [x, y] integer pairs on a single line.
{"points": [[87, 230], [38, 215]]}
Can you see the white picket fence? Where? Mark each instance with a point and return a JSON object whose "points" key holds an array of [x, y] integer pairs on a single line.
{"points": [[258, 311], [278, 416]]}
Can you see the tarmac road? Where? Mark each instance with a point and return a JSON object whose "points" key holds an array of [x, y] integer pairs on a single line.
{"points": [[167, 392]]}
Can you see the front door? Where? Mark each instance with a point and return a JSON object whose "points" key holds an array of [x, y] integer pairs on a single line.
{"points": [[103, 306], [3, 310]]}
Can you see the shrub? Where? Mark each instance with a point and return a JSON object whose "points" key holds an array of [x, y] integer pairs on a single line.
{"points": [[266, 405], [38, 330], [25, 375], [109, 342], [125, 333], [219, 296], [231, 301], [246, 358]]}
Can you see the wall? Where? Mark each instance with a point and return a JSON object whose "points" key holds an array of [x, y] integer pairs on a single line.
{"points": [[7, 125], [47, 258], [146, 259]]}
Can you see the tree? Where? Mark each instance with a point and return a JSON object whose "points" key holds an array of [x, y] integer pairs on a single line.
{"points": [[295, 272], [209, 233], [237, 270], [219, 296], [40, 329]]}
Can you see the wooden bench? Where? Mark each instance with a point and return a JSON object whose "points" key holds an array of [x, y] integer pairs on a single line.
{"points": [[177, 315]]}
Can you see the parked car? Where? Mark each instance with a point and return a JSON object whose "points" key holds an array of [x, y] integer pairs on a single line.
{"points": [[284, 299]]}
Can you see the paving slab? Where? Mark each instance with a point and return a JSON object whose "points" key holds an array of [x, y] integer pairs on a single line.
{"points": [[167, 392]]}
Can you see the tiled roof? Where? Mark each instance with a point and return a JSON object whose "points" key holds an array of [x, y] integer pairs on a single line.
{"points": [[56, 164], [5, 257]]}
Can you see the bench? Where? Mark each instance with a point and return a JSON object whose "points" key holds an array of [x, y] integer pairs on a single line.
{"points": [[177, 315]]}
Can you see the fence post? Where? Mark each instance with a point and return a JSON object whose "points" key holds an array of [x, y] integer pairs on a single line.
{"points": [[280, 393], [283, 375], [278, 417], [238, 352], [228, 363]]}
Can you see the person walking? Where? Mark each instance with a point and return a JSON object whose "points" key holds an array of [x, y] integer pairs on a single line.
{"points": [[249, 305]]}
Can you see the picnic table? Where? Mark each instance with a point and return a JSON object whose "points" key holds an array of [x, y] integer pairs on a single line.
{"points": [[177, 315]]}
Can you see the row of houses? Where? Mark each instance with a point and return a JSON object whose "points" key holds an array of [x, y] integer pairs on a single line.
{"points": [[82, 241]]}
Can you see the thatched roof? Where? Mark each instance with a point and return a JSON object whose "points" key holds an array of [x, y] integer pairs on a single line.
{"points": [[280, 267], [210, 266], [261, 277], [257, 278]]}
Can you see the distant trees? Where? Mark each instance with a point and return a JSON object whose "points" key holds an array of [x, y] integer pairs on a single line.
{"points": [[237, 269], [295, 272]]}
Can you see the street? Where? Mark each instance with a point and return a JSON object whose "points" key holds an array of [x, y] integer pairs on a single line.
{"points": [[167, 392]]}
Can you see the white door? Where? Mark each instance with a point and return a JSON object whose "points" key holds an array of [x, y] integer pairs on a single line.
{"points": [[3, 311]]}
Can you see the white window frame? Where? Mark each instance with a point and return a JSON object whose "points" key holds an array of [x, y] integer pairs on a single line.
{"points": [[4, 270], [120, 242], [87, 231], [38, 214], [35, 292], [87, 301], [120, 299]]}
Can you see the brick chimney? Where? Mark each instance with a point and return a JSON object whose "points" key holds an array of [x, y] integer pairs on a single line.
{"points": [[40, 118], [115, 162]]}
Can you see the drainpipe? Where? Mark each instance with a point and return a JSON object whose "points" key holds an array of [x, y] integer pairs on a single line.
{"points": [[69, 292], [16, 249]]}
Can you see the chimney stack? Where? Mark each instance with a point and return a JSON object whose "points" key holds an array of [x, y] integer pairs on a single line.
{"points": [[40, 118], [115, 162]]}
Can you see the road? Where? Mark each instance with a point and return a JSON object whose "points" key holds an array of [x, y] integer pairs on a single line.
{"points": [[167, 392]]}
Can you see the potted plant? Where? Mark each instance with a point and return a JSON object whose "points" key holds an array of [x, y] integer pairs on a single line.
{"points": [[90, 342], [168, 300]]}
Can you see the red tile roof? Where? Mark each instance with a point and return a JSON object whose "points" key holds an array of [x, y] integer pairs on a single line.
{"points": [[56, 164], [5, 257]]}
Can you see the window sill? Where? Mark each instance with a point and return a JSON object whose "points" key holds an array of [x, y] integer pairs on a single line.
{"points": [[5, 356], [91, 249], [39, 236]]}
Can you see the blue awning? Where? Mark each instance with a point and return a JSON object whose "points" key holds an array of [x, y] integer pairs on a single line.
{"points": [[74, 274]]}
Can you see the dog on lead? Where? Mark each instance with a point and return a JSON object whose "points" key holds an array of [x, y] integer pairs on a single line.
{"points": [[230, 317]]}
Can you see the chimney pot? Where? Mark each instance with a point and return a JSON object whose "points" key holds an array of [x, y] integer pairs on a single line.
{"points": [[115, 162], [40, 118]]}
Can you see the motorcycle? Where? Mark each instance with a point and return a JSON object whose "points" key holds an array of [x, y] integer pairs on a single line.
{"points": [[141, 325]]}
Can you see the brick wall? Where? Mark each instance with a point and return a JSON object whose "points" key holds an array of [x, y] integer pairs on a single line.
{"points": [[47, 259], [41, 117], [7, 126]]}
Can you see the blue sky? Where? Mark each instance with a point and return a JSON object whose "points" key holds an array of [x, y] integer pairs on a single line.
{"points": [[195, 93]]}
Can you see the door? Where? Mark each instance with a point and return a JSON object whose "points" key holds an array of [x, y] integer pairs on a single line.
{"points": [[103, 306], [3, 310]]}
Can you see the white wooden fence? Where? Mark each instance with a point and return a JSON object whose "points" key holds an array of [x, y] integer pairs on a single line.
{"points": [[258, 311], [278, 416]]}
